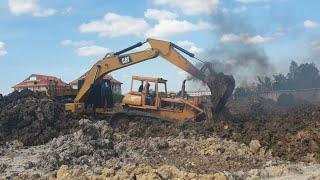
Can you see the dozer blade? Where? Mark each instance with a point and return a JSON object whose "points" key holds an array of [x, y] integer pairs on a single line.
{"points": [[221, 87]]}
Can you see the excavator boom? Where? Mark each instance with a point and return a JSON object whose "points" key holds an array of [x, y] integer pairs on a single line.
{"points": [[112, 63], [118, 61]]}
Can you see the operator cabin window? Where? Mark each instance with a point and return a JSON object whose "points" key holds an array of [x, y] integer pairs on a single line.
{"points": [[136, 85], [162, 90], [152, 88]]}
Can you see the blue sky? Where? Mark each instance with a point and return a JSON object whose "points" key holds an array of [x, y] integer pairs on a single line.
{"points": [[65, 37]]}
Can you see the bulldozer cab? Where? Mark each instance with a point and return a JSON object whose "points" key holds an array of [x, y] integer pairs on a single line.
{"points": [[147, 91]]}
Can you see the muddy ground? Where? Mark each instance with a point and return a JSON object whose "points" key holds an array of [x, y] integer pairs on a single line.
{"points": [[252, 138]]}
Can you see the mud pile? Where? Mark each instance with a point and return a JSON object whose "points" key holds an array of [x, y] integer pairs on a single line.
{"points": [[289, 101], [31, 118], [254, 106], [291, 134]]}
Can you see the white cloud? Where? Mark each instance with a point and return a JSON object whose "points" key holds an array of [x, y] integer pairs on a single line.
{"points": [[166, 28], [159, 14], [21, 7], [114, 25], [2, 49], [92, 51], [190, 46], [310, 24], [76, 43], [316, 46], [192, 7], [235, 10], [244, 38]]}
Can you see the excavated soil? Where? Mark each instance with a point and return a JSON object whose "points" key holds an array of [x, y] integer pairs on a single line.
{"points": [[252, 138], [32, 119], [291, 133]]}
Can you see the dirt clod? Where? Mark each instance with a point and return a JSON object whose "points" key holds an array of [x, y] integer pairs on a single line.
{"points": [[254, 146]]}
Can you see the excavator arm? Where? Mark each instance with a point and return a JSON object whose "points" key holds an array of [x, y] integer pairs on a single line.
{"points": [[117, 61], [109, 64]]}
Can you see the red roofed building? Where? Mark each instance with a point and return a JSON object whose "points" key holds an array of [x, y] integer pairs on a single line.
{"points": [[36, 82], [116, 85]]}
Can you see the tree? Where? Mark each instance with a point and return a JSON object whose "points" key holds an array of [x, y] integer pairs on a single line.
{"points": [[306, 76], [264, 84], [280, 82], [292, 69], [303, 76]]}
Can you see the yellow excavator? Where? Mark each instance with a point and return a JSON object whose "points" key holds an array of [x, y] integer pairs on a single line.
{"points": [[95, 93]]}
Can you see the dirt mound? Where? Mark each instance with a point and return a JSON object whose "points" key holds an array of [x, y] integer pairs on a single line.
{"points": [[31, 118], [289, 101], [254, 106], [291, 135], [98, 145], [245, 138]]}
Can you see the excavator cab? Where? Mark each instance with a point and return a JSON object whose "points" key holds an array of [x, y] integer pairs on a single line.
{"points": [[100, 96], [98, 99]]}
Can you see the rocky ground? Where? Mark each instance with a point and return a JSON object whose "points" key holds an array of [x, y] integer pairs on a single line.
{"points": [[254, 139]]}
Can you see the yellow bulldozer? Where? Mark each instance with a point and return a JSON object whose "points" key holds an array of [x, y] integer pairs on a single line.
{"points": [[159, 102], [96, 95]]}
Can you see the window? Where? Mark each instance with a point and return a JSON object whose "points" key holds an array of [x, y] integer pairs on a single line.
{"points": [[136, 85], [162, 89], [152, 88]]}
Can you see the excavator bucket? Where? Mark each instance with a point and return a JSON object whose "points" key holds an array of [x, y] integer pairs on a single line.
{"points": [[221, 87]]}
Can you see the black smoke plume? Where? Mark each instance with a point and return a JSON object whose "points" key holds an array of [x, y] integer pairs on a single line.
{"points": [[245, 61]]}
